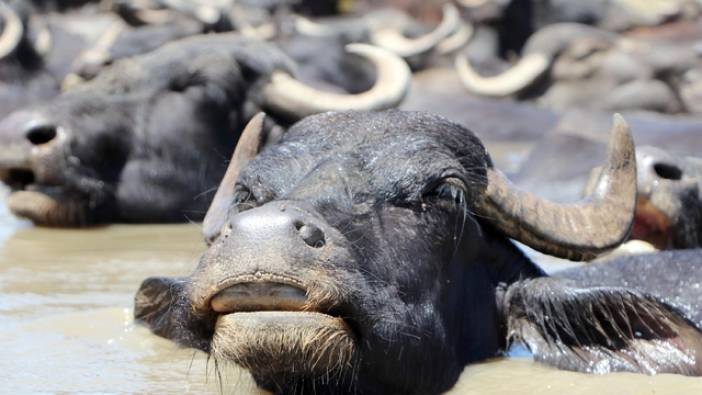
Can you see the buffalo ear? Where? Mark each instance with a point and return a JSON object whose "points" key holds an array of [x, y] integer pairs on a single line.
{"points": [[246, 149], [600, 330], [161, 305]]}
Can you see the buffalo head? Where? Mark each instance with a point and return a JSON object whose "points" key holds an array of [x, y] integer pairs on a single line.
{"points": [[668, 210], [367, 252], [148, 138]]}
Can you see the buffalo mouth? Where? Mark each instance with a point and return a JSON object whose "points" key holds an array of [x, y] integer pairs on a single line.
{"points": [[276, 332], [651, 225], [47, 205]]}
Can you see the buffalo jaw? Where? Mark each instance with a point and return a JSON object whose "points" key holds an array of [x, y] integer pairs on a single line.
{"points": [[45, 209], [280, 332], [275, 343]]}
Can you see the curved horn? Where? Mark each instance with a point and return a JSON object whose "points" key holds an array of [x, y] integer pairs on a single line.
{"points": [[455, 41], [539, 53], [514, 80], [246, 149], [286, 95], [578, 231], [397, 43], [13, 31]]}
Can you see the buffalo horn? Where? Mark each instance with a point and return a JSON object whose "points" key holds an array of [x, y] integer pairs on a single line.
{"points": [[396, 42], [517, 78], [578, 231], [12, 32], [540, 51], [246, 149], [286, 95]]}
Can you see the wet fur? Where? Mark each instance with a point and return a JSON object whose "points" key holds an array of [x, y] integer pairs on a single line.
{"points": [[300, 357], [601, 329]]}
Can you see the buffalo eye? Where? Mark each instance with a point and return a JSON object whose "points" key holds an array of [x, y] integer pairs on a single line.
{"points": [[449, 190]]}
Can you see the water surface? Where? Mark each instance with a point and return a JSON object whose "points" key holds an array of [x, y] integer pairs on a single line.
{"points": [[66, 324]]}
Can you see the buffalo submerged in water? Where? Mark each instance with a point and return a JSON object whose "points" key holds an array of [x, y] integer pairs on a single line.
{"points": [[146, 139], [370, 253]]}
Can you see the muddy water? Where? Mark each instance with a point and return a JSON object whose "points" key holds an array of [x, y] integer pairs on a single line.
{"points": [[66, 327]]}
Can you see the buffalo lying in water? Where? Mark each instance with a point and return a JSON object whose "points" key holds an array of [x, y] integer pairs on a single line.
{"points": [[669, 205], [566, 65], [376, 260], [149, 135]]}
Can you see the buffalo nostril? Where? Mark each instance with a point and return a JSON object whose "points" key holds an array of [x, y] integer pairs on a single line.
{"points": [[667, 171], [41, 134], [312, 235], [19, 178]]}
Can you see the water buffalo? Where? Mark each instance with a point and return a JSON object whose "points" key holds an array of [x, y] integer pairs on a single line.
{"points": [[393, 30], [121, 41], [674, 275], [23, 77], [38, 50], [369, 253], [515, 20], [148, 137], [568, 65], [145, 26]]}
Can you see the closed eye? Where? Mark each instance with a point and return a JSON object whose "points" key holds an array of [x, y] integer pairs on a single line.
{"points": [[449, 189]]}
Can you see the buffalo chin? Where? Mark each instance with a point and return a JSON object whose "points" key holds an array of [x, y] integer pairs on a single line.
{"points": [[280, 346], [46, 209]]}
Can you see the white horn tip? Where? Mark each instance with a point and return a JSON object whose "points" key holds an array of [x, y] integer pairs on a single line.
{"points": [[449, 11], [619, 122]]}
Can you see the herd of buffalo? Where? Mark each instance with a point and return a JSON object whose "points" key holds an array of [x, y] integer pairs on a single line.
{"points": [[360, 237]]}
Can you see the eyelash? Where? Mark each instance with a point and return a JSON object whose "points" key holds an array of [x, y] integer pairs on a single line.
{"points": [[446, 190], [244, 199]]}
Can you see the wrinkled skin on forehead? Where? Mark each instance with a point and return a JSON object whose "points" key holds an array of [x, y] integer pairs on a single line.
{"points": [[395, 280], [142, 139]]}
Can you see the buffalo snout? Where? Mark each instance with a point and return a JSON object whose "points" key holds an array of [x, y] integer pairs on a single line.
{"points": [[668, 213], [288, 225]]}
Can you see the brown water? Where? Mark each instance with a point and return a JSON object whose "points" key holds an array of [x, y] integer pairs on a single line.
{"points": [[66, 326]]}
